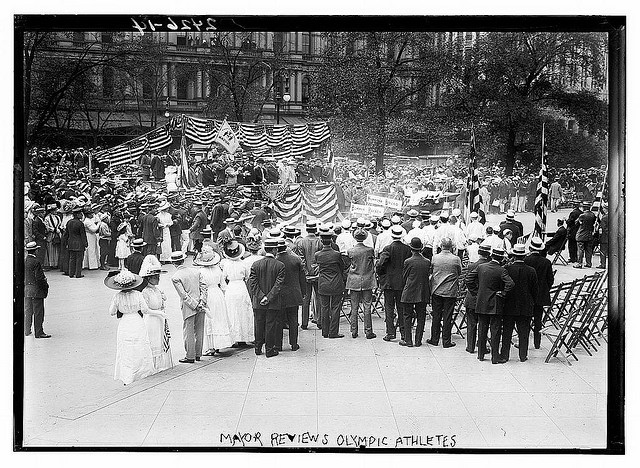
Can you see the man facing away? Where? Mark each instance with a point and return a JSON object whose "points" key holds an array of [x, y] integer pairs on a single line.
{"points": [[193, 296], [36, 289], [265, 283], [361, 280], [331, 283], [293, 289], [416, 293], [306, 247], [484, 251], [544, 272]]}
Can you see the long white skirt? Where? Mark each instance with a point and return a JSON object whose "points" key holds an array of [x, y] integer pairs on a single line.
{"points": [[155, 331], [217, 329], [134, 360], [165, 255], [92, 252], [240, 311]]}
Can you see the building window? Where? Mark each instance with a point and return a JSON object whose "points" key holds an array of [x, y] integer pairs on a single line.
{"points": [[107, 37], [181, 40], [107, 82], [306, 43], [305, 89], [278, 42]]}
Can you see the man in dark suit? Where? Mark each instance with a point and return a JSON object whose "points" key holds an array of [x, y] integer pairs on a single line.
{"points": [[544, 272], [389, 269], [133, 262], [518, 303], [265, 284], [416, 293], [484, 251], [293, 289], [572, 230], [157, 167], [331, 282], [306, 248], [175, 230], [75, 239], [584, 236], [219, 213], [145, 166], [490, 282], [198, 224], [151, 231], [510, 223], [36, 290], [556, 243], [39, 233]]}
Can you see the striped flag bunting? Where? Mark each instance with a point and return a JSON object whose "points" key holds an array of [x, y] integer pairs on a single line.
{"points": [[126, 153], [598, 203], [165, 337], [542, 195], [184, 161], [159, 137], [473, 182], [316, 201], [300, 140], [201, 131]]}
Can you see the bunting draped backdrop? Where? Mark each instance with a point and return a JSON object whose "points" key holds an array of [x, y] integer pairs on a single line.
{"points": [[316, 201], [278, 141]]}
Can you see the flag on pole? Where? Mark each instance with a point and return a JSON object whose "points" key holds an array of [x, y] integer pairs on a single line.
{"points": [[542, 195], [184, 163], [598, 203], [473, 180], [227, 137]]}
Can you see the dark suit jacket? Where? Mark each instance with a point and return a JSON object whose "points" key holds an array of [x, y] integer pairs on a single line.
{"points": [[151, 232], [208, 176], [415, 275], [554, 244], [133, 262], [511, 226], [157, 167], [75, 236], [471, 298], [35, 282], [295, 281], [544, 272], [38, 229], [219, 213], [390, 264], [520, 299], [266, 279], [331, 271], [487, 280], [572, 225], [199, 223]]}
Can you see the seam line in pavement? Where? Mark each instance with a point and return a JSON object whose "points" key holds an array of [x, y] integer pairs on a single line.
{"points": [[246, 394], [155, 419]]}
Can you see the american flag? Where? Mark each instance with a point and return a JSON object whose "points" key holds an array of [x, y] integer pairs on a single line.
{"points": [[316, 201], [473, 181], [159, 137], [184, 163], [598, 202], [126, 153], [165, 337], [542, 195]]}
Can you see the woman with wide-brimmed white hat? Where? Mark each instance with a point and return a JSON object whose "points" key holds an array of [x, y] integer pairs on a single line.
{"points": [[156, 318], [134, 360], [217, 329], [237, 298], [164, 222]]}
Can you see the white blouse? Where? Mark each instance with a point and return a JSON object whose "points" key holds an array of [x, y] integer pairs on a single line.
{"points": [[128, 302]]}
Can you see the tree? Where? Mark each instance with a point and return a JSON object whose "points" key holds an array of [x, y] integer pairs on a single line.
{"points": [[51, 74], [368, 79], [512, 82]]}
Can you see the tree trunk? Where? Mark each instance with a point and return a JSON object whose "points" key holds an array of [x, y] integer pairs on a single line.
{"points": [[381, 143]]}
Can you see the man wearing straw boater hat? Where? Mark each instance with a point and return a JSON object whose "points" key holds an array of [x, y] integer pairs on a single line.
{"points": [[307, 247], [484, 252], [361, 279], [518, 304], [188, 282], [544, 271], [36, 289], [293, 289], [331, 276], [265, 283], [75, 240]]}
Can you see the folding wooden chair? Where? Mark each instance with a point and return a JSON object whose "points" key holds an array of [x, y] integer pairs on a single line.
{"points": [[560, 338], [559, 257], [377, 302], [581, 326]]}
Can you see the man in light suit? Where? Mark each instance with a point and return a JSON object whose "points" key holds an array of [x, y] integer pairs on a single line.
{"points": [[518, 303], [265, 283], [490, 282], [293, 289], [361, 279], [193, 295]]}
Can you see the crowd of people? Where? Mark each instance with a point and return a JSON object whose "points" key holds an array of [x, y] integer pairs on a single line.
{"points": [[251, 275]]}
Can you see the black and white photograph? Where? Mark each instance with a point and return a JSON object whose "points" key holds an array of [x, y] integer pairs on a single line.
{"points": [[301, 233]]}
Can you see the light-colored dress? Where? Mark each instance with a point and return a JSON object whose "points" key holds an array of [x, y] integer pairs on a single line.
{"points": [[122, 247], [157, 329], [250, 260], [164, 218], [237, 298], [92, 253], [134, 360], [217, 329]]}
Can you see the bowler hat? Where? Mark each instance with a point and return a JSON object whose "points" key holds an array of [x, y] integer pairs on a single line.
{"points": [[416, 244], [360, 235]]}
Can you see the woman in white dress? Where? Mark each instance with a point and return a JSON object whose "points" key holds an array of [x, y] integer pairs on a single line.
{"points": [[92, 252], [164, 222], [156, 318], [134, 360], [171, 177], [239, 307], [217, 330]]}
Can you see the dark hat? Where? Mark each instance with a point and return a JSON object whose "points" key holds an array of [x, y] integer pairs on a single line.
{"points": [[360, 235], [416, 244], [233, 250]]}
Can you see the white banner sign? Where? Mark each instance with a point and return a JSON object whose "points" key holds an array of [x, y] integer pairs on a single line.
{"points": [[366, 210], [384, 202]]}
